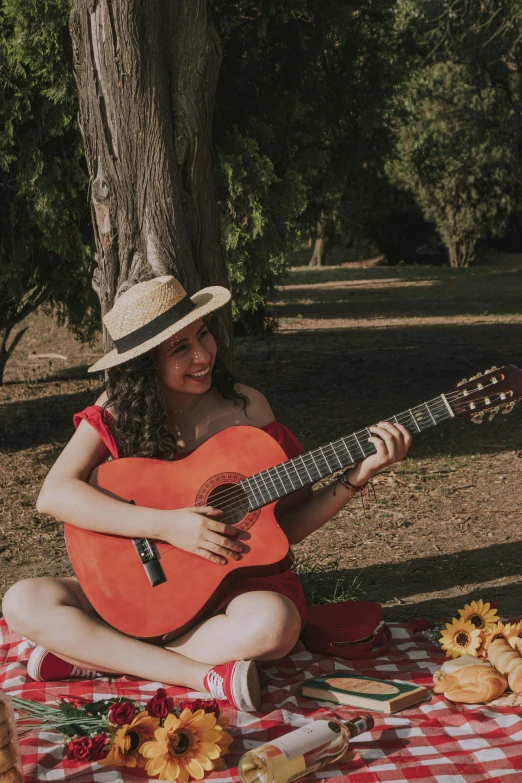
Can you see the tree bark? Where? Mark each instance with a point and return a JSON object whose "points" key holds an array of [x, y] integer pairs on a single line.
{"points": [[462, 253], [5, 352], [146, 72]]}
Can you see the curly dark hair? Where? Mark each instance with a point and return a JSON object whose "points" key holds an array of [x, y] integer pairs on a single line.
{"points": [[135, 394]]}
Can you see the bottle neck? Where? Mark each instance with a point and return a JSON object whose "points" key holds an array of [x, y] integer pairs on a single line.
{"points": [[359, 725]]}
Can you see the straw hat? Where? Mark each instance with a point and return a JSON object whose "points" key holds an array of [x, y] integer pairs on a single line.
{"points": [[148, 313]]}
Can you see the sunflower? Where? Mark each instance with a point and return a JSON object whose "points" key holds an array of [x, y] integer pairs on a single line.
{"points": [[509, 631], [128, 739], [184, 747], [480, 614], [460, 638], [223, 743]]}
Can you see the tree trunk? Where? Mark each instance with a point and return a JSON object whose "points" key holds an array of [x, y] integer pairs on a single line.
{"points": [[5, 352], [462, 253], [322, 243], [146, 74]]}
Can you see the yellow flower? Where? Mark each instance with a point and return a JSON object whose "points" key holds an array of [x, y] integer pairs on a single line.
{"points": [[460, 638], [480, 614], [184, 747], [128, 739], [509, 631], [223, 743]]}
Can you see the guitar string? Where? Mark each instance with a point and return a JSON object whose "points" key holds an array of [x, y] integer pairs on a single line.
{"points": [[237, 498], [302, 472], [350, 440], [238, 494]]}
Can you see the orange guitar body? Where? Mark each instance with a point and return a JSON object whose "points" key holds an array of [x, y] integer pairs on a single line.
{"points": [[109, 568]]}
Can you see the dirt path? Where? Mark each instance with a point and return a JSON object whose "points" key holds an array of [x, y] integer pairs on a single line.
{"points": [[355, 345]]}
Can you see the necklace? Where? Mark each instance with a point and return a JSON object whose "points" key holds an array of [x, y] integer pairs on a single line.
{"points": [[185, 410]]}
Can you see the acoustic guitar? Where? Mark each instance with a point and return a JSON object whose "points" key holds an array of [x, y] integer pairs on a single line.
{"points": [[155, 591]]}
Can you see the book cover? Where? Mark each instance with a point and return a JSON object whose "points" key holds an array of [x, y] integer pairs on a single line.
{"points": [[368, 692]]}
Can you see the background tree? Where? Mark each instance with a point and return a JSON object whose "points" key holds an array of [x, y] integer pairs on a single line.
{"points": [[45, 246], [459, 143]]}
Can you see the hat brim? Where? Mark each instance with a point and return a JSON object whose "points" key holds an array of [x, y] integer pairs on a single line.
{"points": [[207, 300]]}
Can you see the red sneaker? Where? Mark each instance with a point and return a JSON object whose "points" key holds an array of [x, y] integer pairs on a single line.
{"points": [[236, 682], [43, 665]]}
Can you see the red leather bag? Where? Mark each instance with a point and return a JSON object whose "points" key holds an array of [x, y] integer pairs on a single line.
{"points": [[349, 629]]}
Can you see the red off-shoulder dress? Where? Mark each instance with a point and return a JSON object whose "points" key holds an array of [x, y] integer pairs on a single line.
{"points": [[286, 583]]}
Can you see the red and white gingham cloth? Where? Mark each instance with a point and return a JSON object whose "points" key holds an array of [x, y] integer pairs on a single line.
{"points": [[435, 741]]}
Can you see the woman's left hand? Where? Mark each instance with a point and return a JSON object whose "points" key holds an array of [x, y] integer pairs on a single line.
{"points": [[392, 442]]}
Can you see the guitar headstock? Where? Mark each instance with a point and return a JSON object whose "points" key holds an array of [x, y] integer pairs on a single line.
{"points": [[497, 390]]}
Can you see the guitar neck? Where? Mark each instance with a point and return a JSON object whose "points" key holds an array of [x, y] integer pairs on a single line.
{"points": [[274, 483]]}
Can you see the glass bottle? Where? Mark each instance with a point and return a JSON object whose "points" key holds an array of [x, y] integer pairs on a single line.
{"points": [[302, 751]]}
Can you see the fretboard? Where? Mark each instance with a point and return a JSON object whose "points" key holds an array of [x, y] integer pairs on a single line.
{"points": [[282, 479]]}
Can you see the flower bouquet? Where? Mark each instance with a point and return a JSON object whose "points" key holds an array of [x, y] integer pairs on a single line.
{"points": [[488, 653], [171, 741]]}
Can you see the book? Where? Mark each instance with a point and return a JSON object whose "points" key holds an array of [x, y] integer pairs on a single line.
{"points": [[369, 693]]}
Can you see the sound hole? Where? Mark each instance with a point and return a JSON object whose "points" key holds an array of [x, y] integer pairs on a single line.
{"points": [[232, 500]]}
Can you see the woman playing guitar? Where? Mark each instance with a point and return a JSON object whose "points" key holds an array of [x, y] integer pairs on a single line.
{"points": [[167, 393]]}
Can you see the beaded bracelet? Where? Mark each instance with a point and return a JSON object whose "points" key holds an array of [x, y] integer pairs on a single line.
{"points": [[355, 489]]}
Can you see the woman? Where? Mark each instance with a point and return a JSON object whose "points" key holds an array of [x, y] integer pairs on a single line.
{"points": [[167, 393]]}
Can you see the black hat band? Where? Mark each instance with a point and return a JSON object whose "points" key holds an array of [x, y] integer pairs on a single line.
{"points": [[156, 326]]}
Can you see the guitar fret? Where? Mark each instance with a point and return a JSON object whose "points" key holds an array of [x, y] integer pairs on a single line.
{"points": [[414, 419], [430, 413], [253, 485], [304, 466], [297, 482], [282, 475], [284, 466], [315, 464], [261, 476], [311, 466], [324, 458], [359, 445], [337, 457], [278, 494]]}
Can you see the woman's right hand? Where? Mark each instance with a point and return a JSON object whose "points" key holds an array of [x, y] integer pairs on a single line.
{"points": [[197, 529]]}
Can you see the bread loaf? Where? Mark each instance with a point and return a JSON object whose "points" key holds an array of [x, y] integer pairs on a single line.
{"points": [[8, 756], [472, 685], [507, 661], [6, 732], [11, 776]]}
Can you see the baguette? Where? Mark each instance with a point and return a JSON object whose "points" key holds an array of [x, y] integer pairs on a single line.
{"points": [[507, 661], [12, 775]]}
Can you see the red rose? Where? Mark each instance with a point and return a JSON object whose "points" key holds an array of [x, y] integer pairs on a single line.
{"points": [[122, 713], [160, 705], [99, 747], [79, 749], [201, 704]]}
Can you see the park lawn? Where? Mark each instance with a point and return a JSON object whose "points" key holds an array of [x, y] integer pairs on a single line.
{"points": [[356, 343]]}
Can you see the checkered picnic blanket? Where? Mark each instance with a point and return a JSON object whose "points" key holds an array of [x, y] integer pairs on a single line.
{"points": [[435, 741]]}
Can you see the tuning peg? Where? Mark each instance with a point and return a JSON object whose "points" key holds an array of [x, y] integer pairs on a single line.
{"points": [[477, 418], [493, 412], [508, 407], [491, 369], [462, 382], [474, 377]]}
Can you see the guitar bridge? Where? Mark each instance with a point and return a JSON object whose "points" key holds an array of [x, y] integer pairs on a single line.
{"points": [[150, 561]]}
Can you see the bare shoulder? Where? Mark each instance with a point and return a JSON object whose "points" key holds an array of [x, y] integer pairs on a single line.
{"points": [[102, 399], [258, 408]]}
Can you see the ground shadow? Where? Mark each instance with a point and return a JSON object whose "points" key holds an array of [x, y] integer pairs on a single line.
{"points": [[386, 582]]}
